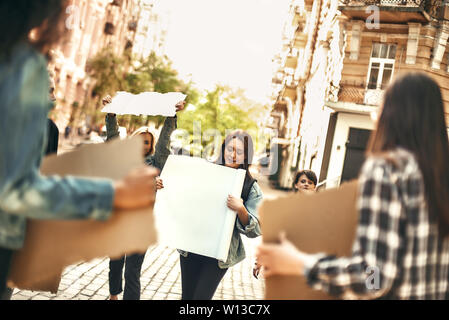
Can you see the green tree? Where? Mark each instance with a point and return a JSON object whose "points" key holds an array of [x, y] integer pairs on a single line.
{"points": [[109, 73], [159, 71], [222, 109], [112, 73]]}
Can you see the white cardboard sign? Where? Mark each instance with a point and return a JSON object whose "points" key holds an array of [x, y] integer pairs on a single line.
{"points": [[146, 103]]}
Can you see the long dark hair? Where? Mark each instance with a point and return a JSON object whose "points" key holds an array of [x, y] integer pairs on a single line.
{"points": [[413, 118], [248, 146], [19, 17], [248, 157]]}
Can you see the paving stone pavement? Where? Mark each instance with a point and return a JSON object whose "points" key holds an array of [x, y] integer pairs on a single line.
{"points": [[160, 279], [161, 273]]}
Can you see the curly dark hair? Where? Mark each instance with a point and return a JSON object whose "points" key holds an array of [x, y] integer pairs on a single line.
{"points": [[308, 173], [19, 17]]}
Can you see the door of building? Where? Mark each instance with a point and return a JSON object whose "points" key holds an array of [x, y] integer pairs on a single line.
{"points": [[355, 153]]}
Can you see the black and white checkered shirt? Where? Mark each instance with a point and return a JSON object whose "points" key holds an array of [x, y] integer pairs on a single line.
{"points": [[396, 253]]}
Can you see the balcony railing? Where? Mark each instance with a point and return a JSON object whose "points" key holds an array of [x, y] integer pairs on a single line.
{"points": [[117, 3], [289, 57], [409, 3], [352, 94], [434, 8], [285, 80], [359, 94]]}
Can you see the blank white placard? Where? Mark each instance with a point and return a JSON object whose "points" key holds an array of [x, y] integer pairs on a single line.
{"points": [[191, 212], [145, 103]]}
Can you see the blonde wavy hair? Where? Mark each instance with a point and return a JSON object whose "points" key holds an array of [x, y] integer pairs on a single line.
{"points": [[143, 130]]}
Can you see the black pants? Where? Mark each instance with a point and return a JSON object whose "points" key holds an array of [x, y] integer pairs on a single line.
{"points": [[133, 267], [200, 277], [5, 264]]}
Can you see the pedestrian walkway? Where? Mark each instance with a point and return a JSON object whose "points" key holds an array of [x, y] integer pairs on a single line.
{"points": [[160, 279]]}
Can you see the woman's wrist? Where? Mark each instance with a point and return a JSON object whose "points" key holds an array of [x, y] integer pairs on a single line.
{"points": [[242, 211], [243, 215]]}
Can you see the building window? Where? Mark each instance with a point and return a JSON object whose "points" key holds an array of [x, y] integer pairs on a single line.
{"points": [[109, 28], [381, 65]]}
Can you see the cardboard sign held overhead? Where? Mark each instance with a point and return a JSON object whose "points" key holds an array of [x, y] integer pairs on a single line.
{"points": [[145, 103], [51, 245], [322, 222]]}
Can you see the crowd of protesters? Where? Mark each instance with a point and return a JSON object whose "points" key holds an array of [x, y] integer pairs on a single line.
{"points": [[403, 226]]}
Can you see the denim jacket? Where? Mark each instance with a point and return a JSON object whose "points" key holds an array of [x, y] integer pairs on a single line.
{"points": [[24, 192], [236, 250], [162, 149]]}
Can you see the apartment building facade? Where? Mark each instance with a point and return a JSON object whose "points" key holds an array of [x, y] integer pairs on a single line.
{"points": [[91, 26], [151, 31], [338, 58]]}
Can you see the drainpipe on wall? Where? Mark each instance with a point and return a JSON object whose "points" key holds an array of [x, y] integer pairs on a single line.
{"points": [[289, 117], [284, 179]]}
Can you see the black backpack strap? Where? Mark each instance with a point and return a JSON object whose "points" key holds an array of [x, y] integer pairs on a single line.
{"points": [[248, 184]]}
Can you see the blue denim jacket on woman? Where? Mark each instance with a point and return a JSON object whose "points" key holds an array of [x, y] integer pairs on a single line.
{"points": [[24, 192]]}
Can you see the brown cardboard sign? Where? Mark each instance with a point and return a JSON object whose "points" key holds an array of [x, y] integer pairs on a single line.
{"points": [[51, 245], [322, 222]]}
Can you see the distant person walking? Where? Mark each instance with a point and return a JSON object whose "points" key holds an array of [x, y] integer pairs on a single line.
{"points": [[53, 131]]}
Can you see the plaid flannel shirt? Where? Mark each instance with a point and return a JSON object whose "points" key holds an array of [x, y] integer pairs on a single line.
{"points": [[397, 253]]}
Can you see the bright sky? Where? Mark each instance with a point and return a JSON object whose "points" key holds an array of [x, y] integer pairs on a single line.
{"points": [[226, 41]]}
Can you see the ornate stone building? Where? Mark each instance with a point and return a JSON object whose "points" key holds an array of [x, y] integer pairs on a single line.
{"points": [[91, 26], [337, 59], [151, 31]]}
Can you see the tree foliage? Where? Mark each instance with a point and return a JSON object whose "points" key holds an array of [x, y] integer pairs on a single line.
{"points": [[112, 73], [219, 110]]}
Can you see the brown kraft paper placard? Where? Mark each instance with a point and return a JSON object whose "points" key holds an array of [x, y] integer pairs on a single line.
{"points": [[322, 222], [52, 245]]}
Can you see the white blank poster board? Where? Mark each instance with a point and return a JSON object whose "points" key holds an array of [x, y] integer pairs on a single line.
{"points": [[145, 103], [191, 212]]}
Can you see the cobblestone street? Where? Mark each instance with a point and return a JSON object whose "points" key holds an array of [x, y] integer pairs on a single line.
{"points": [[160, 277]]}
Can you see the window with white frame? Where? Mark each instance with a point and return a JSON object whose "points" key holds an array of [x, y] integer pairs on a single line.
{"points": [[381, 65]]}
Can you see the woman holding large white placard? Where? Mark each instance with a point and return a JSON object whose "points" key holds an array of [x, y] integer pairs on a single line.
{"points": [[201, 275]]}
